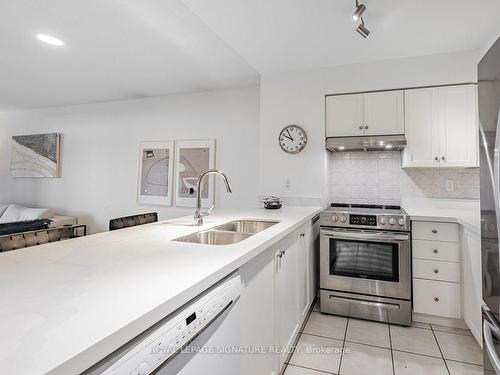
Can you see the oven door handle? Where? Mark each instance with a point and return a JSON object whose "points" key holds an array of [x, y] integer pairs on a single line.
{"points": [[365, 236], [391, 306]]}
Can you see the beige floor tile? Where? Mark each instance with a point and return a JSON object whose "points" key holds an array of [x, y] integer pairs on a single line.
{"points": [[460, 348], [326, 325], [457, 368], [295, 370], [365, 360], [415, 364], [421, 325], [437, 327], [369, 333], [317, 353], [414, 340]]}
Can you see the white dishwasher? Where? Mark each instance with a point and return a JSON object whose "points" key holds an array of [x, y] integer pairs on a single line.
{"points": [[196, 339]]}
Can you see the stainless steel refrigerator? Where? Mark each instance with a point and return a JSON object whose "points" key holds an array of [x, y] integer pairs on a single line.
{"points": [[489, 141]]}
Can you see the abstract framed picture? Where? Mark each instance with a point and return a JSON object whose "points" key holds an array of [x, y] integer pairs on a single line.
{"points": [[156, 173], [36, 156], [192, 158]]}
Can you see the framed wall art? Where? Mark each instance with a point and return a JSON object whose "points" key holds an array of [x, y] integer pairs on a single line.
{"points": [[156, 173], [192, 158], [36, 155]]}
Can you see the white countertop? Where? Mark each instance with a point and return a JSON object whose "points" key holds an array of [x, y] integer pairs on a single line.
{"points": [[462, 211], [66, 305]]}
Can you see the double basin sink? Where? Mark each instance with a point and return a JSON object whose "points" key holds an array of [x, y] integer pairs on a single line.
{"points": [[228, 233]]}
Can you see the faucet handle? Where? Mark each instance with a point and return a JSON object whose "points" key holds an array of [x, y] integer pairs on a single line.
{"points": [[206, 213]]}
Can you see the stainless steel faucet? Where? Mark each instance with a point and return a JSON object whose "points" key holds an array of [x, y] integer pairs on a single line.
{"points": [[199, 213]]}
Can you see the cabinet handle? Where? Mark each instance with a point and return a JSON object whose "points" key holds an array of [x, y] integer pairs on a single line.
{"points": [[443, 158], [302, 235], [366, 126], [280, 254], [434, 231], [436, 299], [435, 251], [436, 270], [360, 127], [436, 158]]}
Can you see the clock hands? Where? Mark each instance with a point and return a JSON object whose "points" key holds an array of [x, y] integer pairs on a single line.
{"points": [[289, 135], [286, 136]]}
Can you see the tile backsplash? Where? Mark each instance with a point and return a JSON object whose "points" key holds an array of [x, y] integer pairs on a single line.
{"points": [[377, 177]]}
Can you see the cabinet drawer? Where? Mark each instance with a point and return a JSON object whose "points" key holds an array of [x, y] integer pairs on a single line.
{"points": [[436, 250], [439, 298], [429, 230], [436, 270]]}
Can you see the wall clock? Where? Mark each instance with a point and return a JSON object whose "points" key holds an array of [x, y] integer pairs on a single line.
{"points": [[292, 139]]}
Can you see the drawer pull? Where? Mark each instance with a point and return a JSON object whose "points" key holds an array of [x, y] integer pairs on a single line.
{"points": [[434, 231], [436, 270], [436, 299], [435, 251]]}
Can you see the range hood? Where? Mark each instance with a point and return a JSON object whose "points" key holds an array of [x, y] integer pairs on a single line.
{"points": [[368, 143]]}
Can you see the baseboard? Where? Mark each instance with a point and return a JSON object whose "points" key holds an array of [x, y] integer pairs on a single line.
{"points": [[432, 319]]}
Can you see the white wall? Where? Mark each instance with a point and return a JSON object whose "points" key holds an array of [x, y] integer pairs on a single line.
{"points": [[299, 98], [100, 151]]}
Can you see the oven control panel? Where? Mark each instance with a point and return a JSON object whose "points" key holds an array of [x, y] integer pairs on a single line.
{"points": [[370, 220], [380, 221]]}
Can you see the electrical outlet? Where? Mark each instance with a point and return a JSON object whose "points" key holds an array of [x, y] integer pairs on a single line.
{"points": [[287, 184], [450, 186]]}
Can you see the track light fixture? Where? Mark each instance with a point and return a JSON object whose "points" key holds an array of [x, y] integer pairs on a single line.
{"points": [[358, 15], [360, 9], [362, 30]]}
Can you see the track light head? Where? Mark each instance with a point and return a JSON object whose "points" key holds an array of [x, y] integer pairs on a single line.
{"points": [[363, 31], [360, 9]]}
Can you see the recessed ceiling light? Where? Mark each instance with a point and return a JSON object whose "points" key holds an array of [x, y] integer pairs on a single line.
{"points": [[49, 39], [341, 147], [388, 146]]}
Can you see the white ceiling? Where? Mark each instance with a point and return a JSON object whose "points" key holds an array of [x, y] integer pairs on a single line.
{"points": [[122, 49], [280, 35], [115, 49]]}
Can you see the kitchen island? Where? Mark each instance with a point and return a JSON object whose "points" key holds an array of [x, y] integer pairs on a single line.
{"points": [[66, 305]]}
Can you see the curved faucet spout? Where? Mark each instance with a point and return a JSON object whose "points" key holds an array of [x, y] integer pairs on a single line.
{"points": [[198, 214]]}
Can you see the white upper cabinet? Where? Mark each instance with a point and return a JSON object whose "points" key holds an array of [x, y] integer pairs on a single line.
{"points": [[377, 113], [441, 127], [383, 113], [422, 128], [459, 126], [344, 115]]}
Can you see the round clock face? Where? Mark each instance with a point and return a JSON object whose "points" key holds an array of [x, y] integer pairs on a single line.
{"points": [[292, 139]]}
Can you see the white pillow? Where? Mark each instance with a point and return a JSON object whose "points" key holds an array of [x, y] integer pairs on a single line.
{"points": [[16, 212]]}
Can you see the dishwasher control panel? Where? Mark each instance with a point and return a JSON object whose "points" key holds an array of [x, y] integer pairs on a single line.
{"points": [[177, 330]]}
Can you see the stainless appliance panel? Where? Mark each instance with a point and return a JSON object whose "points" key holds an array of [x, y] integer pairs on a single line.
{"points": [[489, 107], [388, 310], [389, 289]]}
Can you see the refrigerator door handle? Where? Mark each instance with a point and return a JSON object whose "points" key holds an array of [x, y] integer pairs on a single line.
{"points": [[489, 330]]}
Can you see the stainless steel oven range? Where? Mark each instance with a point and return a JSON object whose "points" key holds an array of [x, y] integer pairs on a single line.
{"points": [[365, 262]]}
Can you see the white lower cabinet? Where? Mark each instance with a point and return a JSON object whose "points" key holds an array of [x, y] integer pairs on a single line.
{"points": [[287, 309], [278, 289], [436, 269], [447, 273], [472, 285], [436, 298], [257, 310]]}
